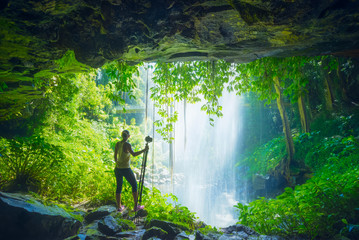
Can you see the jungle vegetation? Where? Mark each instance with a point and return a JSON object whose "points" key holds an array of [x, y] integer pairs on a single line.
{"points": [[302, 124]]}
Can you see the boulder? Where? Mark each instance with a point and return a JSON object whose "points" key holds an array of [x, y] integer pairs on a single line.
{"points": [[24, 217], [172, 229], [92, 232], [181, 236], [137, 234], [155, 233], [99, 213], [239, 228], [108, 226], [264, 237], [231, 237], [201, 236], [141, 213]]}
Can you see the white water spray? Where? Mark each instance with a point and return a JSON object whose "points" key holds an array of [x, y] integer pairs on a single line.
{"points": [[207, 162]]}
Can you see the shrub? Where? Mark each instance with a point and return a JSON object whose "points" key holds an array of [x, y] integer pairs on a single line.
{"points": [[28, 162], [159, 207], [318, 208]]}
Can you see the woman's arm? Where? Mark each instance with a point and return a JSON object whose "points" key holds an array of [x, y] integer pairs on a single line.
{"points": [[116, 150], [129, 149]]}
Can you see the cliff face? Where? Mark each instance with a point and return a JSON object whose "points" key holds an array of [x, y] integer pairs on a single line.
{"points": [[35, 34]]}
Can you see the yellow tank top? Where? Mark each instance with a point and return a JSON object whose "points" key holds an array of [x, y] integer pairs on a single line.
{"points": [[123, 158]]}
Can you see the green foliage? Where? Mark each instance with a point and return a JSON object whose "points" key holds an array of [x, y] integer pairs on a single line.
{"points": [[3, 86], [264, 158], [159, 207], [331, 150], [318, 207], [315, 209], [121, 80], [257, 76], [28, 161], [315, 148], [190, 81], [336, 124], [209, 229]]}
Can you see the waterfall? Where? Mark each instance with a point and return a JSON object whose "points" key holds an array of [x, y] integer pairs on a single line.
{"points": [[205, 156], [203, 160]]}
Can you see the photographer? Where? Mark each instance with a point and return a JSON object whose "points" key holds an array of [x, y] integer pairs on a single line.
{"points": [[123, 150]]}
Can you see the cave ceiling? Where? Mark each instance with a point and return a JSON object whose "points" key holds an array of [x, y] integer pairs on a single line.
{"points": [[34, 35]]}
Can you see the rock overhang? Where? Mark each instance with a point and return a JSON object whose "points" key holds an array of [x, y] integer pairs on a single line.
{"points": [[35, 34]]}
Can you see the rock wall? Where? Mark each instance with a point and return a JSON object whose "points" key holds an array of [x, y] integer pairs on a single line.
{"points": [[35, 34]]}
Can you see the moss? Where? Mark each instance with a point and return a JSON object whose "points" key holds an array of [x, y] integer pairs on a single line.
{"points": [[54, 7], [209, 229], [126, 224], [283, 38], [65, 65]]}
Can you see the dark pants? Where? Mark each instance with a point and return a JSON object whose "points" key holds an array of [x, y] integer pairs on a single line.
{"points": [[130, 177]]}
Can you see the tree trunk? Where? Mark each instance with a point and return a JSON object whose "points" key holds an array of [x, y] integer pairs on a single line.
{"points": [[328, 92], [286, 129], [342, 83], [304, 121]]}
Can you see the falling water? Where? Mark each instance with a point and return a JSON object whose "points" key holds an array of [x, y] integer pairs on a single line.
{"points": [[205, 156], [203, 159]]}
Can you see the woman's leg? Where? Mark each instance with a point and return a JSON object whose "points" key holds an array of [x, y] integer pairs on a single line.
{"points": [[119, 182], [130, 177]]}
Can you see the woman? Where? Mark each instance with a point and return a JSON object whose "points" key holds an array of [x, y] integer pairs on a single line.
{"points": [[123, 150]]}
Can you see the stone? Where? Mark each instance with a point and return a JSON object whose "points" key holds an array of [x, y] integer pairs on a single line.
{"points": [[99, 213], [230, 237], [137, 234], [141, 213], [108, 226], [264, 237], [76, 237], [181, 235], [239, 228], [92, 232], [24, 217], [155, 232], [201, 236], [172, 229]]}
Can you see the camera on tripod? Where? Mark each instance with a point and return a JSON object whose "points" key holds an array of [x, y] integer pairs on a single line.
{"points": [[148, 139]]}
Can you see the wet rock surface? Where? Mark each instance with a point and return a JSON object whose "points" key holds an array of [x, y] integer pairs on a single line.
{"points": [[109, 226], [23, 217], [99, 213]]}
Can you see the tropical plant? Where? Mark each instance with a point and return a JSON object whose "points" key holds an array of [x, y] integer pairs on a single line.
{"points": [[28, 162], [160, 207]]}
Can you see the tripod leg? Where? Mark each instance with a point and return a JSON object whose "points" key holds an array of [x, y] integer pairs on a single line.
{"points": [[143, 175]]}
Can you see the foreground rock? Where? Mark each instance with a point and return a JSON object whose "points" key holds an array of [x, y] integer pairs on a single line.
{"points": [[99, 213], [171, 229], [23, 217]]}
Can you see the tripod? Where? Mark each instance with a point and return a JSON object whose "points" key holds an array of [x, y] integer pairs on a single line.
{"points": [[143, 171]]}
